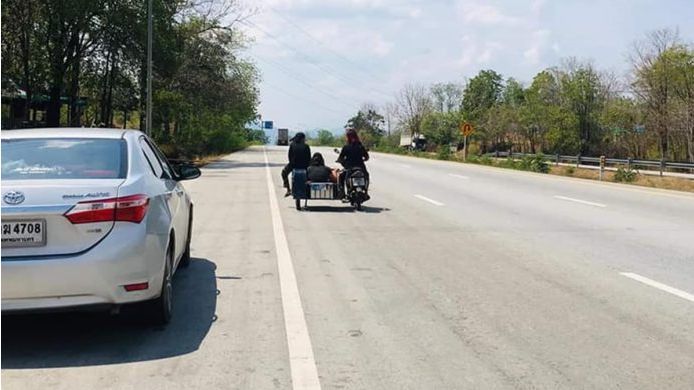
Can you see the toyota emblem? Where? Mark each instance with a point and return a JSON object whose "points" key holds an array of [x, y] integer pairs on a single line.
{"points": [[13, 197]]}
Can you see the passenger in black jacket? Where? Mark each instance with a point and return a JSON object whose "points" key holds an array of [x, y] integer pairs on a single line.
{"points": [[299, 158]]}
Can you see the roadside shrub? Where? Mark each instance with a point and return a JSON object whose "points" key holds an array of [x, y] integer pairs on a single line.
{"points": [[509, 163], [473, 159], [569, 171], [486, 160], [444, 152], [625, 175], [535, 163]]}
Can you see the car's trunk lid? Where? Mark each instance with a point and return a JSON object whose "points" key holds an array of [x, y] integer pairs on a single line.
{"points": [[43, 206]]}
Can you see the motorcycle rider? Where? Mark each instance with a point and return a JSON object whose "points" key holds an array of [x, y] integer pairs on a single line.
{"points": [[299, 158], [353, 155]]}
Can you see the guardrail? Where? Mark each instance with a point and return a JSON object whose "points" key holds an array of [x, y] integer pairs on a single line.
{"points": [[654, 165]]}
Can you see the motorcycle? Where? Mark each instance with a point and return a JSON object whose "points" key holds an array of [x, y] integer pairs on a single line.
{"points": [[355, 185], [352, 187]]}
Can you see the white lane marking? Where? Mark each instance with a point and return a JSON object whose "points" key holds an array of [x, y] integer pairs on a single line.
{"points": [[459, 176], [424, 198], [659, 286], [580, 201], [301, 361], [405, 166]]}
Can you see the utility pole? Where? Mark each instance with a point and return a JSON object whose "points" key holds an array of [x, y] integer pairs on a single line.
{"points": [[148, 124]]}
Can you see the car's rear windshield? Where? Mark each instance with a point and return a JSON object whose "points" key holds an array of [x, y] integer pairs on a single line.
{"points": [[63, 158]]}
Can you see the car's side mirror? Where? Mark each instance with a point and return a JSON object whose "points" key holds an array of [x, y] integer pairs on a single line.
{"points": [[188, 172]]}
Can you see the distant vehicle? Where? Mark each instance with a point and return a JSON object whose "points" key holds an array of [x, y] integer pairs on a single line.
{"points": [[416, 142], [282, 136], [91, 217]]}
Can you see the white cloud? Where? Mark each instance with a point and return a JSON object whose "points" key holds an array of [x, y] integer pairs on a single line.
{"points": [[539, 41], [485, 14], [537, 5]]}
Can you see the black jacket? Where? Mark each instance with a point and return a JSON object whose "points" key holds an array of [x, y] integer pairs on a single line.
{"points": [[318, 173], [353, 156], [299, 155]]}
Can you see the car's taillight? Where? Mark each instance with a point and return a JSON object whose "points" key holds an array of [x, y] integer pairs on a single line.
{"points": [[131, 208]]}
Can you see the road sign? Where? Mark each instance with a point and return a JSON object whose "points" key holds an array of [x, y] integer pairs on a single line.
{"points": [[466, 129], [268, 125]]}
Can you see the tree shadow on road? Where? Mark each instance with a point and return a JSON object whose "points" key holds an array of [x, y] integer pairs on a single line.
{"points": [[84, 339]]}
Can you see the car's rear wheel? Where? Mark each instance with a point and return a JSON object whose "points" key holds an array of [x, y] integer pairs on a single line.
{"points": [[161, 308], [185, 259]]}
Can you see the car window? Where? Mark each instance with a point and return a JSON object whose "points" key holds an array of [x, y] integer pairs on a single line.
{"points": [[152, 159], [162, 160], [63, 158]]}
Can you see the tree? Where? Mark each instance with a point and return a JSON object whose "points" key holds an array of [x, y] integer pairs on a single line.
{"points": [[325, 137], [367, 120], [544, 119], [481, 93], [94, 51], [653, 74], [446, 97], [441, 128], [682, 59], [584, 95], [620, 118], [413, 103]]}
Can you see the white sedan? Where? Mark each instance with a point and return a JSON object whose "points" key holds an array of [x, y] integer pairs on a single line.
{"points": [[91, 217]]}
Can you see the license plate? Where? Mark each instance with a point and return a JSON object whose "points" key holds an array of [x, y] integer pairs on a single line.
{"points": [[23, 233], [359, 181]]}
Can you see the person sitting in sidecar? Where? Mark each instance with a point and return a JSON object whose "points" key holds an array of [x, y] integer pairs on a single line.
{"points": [[318, 172]]}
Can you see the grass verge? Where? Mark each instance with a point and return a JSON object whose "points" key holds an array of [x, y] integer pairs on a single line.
{"points": [[533, 165]]}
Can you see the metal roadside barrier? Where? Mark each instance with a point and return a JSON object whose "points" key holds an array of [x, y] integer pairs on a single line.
{"points": [[661, 166]]}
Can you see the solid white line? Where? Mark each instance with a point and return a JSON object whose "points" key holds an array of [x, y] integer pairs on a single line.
{"points": [[458, 176], [659, 286], [580, 201], [424, 198], [301, 361]]}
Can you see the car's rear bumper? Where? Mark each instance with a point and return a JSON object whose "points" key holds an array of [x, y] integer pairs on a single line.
{"points": [[127, 256]]}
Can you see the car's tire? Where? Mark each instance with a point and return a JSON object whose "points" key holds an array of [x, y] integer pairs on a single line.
{"points": [[161, 308], [185, 259]]}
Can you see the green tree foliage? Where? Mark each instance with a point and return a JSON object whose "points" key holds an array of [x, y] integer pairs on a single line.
{"points": [[442, 128], [446, 97], [481, 93], [368, 121], [325, 138], [95, 51], [584, 95], [572, 109]]}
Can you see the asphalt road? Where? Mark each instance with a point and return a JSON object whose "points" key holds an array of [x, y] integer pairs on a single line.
{"points": [[453, 277]]}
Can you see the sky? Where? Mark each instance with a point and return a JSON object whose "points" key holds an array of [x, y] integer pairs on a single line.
{"points": [[320, 60]]}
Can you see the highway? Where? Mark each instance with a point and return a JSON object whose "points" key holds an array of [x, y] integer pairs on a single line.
{"points": [[454, 276]]}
